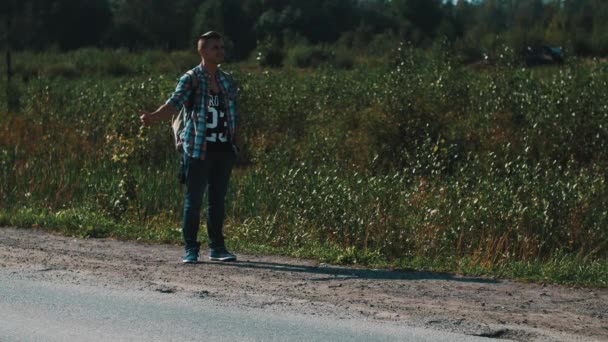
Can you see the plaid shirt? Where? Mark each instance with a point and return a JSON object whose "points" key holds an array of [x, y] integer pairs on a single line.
{"points": [[194, 133]]}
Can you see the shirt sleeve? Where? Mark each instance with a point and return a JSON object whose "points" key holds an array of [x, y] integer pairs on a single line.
{"points": [[182, 92]]}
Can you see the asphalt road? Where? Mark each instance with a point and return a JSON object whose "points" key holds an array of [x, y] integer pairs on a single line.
{"points": [[34, 310]]}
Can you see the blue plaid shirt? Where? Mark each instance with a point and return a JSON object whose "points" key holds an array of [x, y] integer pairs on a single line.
{"points": [[194, 133]]}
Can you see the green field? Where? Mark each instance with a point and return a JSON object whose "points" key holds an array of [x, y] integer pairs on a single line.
{"points": [[411, 161]]}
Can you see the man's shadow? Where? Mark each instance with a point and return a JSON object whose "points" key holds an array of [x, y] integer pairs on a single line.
{"points": [[329, 272]]}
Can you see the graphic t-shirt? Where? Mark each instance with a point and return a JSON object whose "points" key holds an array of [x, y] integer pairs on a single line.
{"points": [[217, 125]]}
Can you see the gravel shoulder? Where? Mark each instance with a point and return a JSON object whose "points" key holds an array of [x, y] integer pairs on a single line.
{"points": [[475, 306]]}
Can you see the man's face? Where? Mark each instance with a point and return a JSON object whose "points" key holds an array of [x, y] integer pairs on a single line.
{"points": [[213, 51]]}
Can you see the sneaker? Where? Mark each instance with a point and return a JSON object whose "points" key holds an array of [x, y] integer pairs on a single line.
{"points": [[191, 257], [221, 255]]}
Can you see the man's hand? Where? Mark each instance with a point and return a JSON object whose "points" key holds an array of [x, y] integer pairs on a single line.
{"points": [[146, 118], [164, 112]]}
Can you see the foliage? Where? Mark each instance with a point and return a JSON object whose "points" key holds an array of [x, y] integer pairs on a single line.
{"points": [[270, 54], [473, 28], [307, 56], [420, 158]]}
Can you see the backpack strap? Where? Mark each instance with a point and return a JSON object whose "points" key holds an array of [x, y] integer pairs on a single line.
{"points": [[194, 86], [193, 78], [179, 121]]}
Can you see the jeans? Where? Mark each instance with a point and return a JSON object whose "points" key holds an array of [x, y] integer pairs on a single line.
{"points": [[210, 176]]}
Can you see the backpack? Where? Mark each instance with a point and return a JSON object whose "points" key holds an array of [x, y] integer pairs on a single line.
{"points": [[178, 122]]}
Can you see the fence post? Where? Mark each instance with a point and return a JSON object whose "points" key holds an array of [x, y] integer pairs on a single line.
{"points": [[9, 71]]}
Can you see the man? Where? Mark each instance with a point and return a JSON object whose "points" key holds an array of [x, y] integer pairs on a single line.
{"points": [[208, 141]]}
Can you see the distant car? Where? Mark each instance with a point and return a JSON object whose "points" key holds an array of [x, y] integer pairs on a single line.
{"points": [[543, 55]]}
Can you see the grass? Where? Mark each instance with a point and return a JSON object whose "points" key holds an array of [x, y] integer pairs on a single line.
{"points": [[562, 269], [417, 162]]}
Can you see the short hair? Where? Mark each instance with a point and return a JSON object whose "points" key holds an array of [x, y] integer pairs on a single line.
{"points": [[203, 38]]}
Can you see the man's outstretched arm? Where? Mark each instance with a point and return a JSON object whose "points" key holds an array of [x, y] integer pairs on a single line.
{"points": [[163, 113]]}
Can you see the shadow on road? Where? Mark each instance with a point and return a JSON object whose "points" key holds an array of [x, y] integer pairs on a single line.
{"points": [[327, 273]]}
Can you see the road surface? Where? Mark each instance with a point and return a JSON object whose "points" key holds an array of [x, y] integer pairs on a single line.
{"points": [[31, 310], [56, 288]]}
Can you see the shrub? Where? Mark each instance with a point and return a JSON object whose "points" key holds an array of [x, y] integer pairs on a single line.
{"points": [[65, 70], [303, 56], [343, 59], [270, 54]]}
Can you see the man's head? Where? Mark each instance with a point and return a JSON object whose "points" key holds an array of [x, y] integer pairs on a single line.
{"points": [[211, 47]]}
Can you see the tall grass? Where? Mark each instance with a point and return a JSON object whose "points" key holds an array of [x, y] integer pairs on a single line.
{"points": [[418, 158]]}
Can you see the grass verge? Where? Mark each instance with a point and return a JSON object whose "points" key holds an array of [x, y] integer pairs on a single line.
{"points": [[560, 269]]}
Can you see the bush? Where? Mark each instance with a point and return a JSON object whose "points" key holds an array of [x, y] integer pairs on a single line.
{"points": [[272, 57], [66, 70], [343, 59], [304, 56], [270, 54]]}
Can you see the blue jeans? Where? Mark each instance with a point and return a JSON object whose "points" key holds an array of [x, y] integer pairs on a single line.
{"points": [[210, 177]]}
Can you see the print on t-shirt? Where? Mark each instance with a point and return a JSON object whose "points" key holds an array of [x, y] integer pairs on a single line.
{"points": [[217, 122]]}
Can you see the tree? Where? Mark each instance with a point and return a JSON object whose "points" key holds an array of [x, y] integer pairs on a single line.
{"points": [[556, 32], [229, 18], [153, 23], [65, 23], [75, 23], [580, 24], [418, 18]]}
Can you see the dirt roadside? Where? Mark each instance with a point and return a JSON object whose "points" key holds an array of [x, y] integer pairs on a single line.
{"points": [[476, 306]]}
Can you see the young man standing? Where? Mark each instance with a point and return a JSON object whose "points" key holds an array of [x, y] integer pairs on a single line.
{"points": [[208, 141]]}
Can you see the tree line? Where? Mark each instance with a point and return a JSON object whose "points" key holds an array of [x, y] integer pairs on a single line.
{"points": [[472, 27]]}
